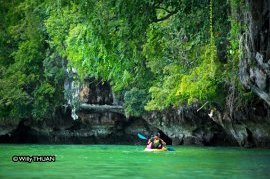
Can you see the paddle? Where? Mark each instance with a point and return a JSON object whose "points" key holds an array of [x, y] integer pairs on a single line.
{"points": [[141, 136]]}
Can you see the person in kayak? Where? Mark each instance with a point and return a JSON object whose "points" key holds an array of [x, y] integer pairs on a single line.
{"points": [[157, 142]]}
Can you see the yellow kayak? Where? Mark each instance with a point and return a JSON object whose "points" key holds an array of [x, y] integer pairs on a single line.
{"points": [[155, 150]]}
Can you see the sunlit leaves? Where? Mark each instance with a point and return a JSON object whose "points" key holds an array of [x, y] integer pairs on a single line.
{"points": [[155, 51], [201, 84]]}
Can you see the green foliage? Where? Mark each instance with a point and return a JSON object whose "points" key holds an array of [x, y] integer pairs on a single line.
{"points": [[163, 94], [43, 96], [201, 84], [135, 100], [31, 79], [161, 53], [241, 97], [183, 58]]}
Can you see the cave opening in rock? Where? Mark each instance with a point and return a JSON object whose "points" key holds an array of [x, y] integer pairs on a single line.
{"points": [[25, 134], [250, 140], [164, 137]]}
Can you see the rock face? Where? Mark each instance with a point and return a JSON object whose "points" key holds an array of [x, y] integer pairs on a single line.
{"points": [[102, 123], [99, 122], [250, 128], [254, 67], [96, 92], [91, 128], [186, 126]]}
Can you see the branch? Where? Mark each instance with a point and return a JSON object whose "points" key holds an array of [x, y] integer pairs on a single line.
{"points": [[165, 17], [202, 106]]}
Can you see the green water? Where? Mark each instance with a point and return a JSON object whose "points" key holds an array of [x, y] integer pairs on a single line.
{"points": [[111, 161]]}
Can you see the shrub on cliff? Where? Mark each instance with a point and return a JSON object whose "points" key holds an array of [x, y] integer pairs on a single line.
{"points": [[135, 100]]}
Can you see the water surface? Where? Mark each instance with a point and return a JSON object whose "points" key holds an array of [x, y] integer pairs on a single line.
{"points": [[121, 161]]}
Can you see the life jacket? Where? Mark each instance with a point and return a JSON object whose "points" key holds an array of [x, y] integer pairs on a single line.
{"points": [[156, 144]]}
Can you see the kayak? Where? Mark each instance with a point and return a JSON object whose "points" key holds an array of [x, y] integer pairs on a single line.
{"points": [[155, 150]]}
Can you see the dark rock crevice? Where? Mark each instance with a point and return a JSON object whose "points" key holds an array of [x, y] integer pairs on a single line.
{"points": [[249, 140], [166, 138]]}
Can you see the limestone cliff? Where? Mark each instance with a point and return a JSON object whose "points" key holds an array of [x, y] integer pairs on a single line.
{"points": [[250, 126], [101, 120], [254, 65], [101, 117]]}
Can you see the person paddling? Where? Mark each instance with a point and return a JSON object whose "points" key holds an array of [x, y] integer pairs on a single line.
{"points": [[157, 142]]}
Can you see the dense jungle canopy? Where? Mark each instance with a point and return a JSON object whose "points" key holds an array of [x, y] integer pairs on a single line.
{"points": [[156, 53]]}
